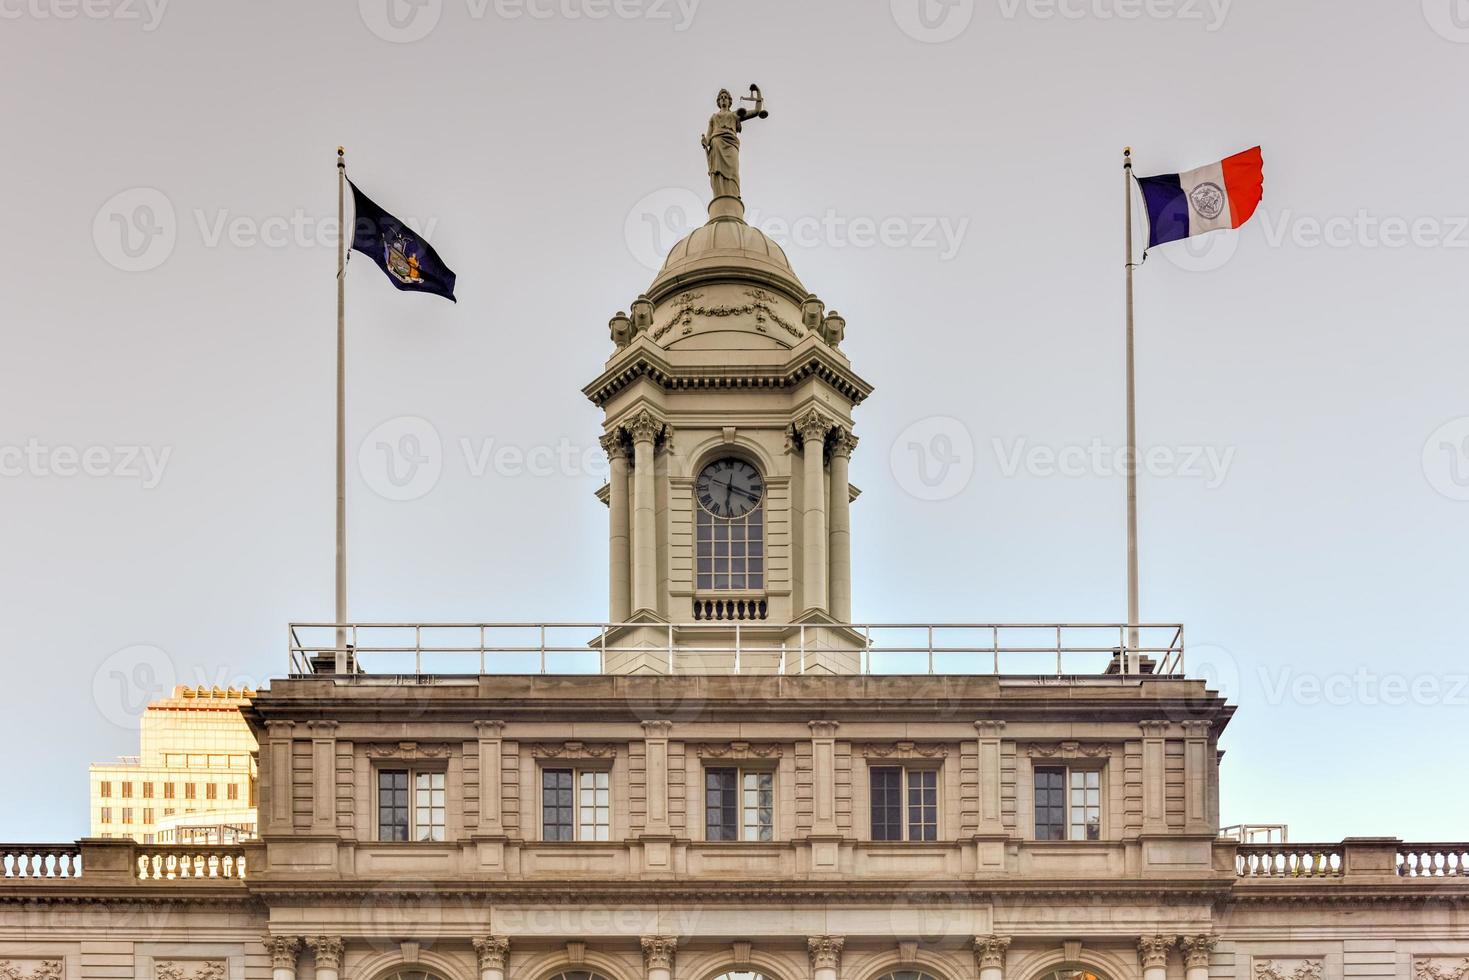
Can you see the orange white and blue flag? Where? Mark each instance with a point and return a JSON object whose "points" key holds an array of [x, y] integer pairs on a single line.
{"points": [[1220, 195]]}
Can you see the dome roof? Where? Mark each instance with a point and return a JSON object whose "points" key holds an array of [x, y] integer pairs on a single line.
{"points": [[726, 247]]}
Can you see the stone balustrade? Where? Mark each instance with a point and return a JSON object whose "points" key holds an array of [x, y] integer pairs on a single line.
{"points": [[175, 862], [1433, 860], [1290, 861], [40, 861]]}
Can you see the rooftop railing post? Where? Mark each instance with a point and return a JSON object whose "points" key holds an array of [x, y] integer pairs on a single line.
{"points": [[867, 648], [670, 649], [782, 657], [930, 649], [1058, 650], [603, 656], [737, 648], [995, 647], [418, 650], [543, 648], [481, 648], [803, 649]]}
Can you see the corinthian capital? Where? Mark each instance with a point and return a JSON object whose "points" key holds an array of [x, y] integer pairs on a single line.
{"points": [[492, 952], [614, 445], [1153, 950], [328, 951], [989, 951], [644, 426], [825, 952], [843, 443], [813, 425], [1196, 950], [659, 951], [283, 951]]}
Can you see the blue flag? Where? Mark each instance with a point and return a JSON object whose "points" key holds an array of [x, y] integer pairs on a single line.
{"points": [[409, 262]]}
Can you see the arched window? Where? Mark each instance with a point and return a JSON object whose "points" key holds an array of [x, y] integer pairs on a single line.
{"points": [[1071, 975], [742, 975], [907, 975], [576, 975], [729, 527]]}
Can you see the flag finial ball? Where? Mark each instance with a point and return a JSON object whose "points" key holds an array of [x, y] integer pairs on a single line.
{"points": [[341, 151]]}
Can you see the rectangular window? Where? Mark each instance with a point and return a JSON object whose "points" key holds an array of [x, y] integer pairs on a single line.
{"points": [[147, 814], [106, 789], [127, 814], [428, 806], [127, 791], [576, 805], [739, 805], [211, 791], [1068, 804], [232, 791], [106, 816], [170, 790], [905, 803], [191, 791], [410, 816], [147, 791], [392, 805]]}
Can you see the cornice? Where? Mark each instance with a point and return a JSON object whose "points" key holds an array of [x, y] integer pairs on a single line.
{"points": [[644, 361]]}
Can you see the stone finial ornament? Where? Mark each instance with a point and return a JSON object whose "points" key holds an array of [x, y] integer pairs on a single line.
{"points": [[721, 142], [833, 328], [621, 329]]}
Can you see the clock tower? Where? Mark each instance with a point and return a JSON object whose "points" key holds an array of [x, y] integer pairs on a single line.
{"points": [[729, 431]]}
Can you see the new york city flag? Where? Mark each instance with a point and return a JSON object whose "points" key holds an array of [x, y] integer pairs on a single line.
{"points": [[406, 258]]}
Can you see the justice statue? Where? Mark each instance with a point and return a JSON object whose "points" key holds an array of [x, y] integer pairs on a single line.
{"points": [[722, 141]]}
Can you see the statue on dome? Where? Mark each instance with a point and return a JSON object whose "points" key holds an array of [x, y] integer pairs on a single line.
{"points": [[722, 141]]}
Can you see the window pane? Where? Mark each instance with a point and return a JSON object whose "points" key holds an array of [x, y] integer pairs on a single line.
{"points": [[1050, 804], [594, 818], [721, 805], [392, 805], [759, 806], [923, 805], [1086, 805], [556, 804], [887, 803]]}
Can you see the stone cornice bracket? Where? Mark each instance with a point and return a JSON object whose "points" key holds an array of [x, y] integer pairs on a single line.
{"points": [[574, 750], [659, 952], [812, 426], [280, 729], [1155, 728], [322, 729], [740, 952], [843, 443], [823, 729], [1196, 729], [989, 728], [989, 951], [283, 951], [489, 729], [825, 952], [1152, 951], [1196, 950], [657, 729], [492, 952], [328, 951]]}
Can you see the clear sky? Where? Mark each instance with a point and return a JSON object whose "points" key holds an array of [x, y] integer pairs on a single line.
{"points": [[946, 174]]}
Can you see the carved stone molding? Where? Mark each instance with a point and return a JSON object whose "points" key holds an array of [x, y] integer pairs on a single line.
{"points": [[644, 426], [573, 750], [322, 729], [657, 729], [740, 952], [989, 952], [42, 970], [908, 952], [823, 729], [1152, 951], [1155, 728], [1052, 750], [905, 750], [280, 729], [1273, 970], [327, 950], [283, 951], [407, 750], [189, 969], [489, 729], [738, 750], [812, 426], [1427, 969], [659, 952], [825, 952], [1196, 729], [843, 443], [576, 952], [615, 444], [1196, 950], [989, 728]]}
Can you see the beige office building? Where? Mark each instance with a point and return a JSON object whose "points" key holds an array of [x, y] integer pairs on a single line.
{"points": [[732, 779], [193, 781]]}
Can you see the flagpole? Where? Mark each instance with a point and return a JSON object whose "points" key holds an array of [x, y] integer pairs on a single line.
{"points": [[341, 585], [1131, 456]]}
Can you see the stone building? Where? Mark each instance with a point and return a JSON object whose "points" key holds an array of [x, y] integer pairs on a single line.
{"points": [[730, 779], [193, 780]]}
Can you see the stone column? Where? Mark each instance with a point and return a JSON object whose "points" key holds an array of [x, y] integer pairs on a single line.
{"points": [[824, 778], [655, 746], [619, 606], [1152, 953], [1155, 816], [283, 952], [1196, 950], [491, 821], [989, 956], [826, 956], [658, 954], [991, 818], [328, 952], [644, 429], [323, 779], [840, 538], [813, 427], [279, 735], [492, 952], [1196, 777]]}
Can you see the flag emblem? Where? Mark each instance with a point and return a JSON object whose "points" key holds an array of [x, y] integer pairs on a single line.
{"points": [[1207, 199], [402, 263]]}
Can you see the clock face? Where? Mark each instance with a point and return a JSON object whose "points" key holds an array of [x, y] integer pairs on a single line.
{"points": [[729, 488]]}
